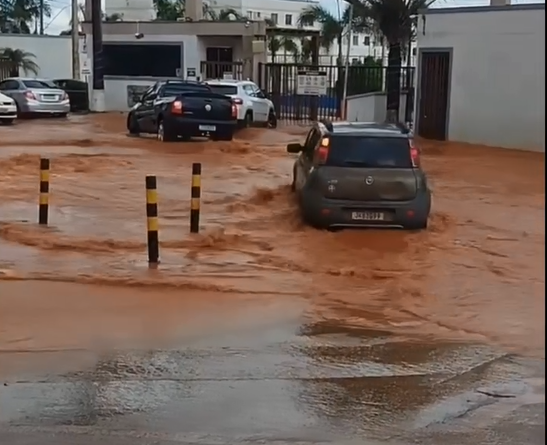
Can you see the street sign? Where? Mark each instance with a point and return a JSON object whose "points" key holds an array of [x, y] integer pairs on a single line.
{"points": [[312, 83]]}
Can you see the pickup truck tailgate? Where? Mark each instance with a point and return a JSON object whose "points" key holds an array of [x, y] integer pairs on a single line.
{"points": [[206, 106]]}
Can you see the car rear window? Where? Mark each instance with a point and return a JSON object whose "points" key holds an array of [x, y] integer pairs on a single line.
{"points": [[37, 84], [173, 90], [369, 152], [227, 90]]}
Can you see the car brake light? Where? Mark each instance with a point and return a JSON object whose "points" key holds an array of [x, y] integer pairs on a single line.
{"points": [[234, 111], [30, 95], [323, 151], [414, 155], [176, 107], [237, 101]]}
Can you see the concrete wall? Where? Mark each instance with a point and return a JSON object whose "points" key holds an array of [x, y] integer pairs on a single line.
{"points": [[53, 53], [497, 94], [371, 107]]}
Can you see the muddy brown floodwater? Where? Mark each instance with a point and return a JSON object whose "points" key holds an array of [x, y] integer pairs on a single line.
{"points": [[476, 276]]}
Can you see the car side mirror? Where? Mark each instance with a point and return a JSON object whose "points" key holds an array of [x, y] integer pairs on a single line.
{"points": [[294, 148], [260, 95]]}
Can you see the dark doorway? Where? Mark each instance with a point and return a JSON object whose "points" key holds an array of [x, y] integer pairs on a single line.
{"points": [[219, 60], [434, 91]]}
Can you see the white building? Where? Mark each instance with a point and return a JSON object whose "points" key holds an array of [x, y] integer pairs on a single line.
{"points": [[284, 13], [481, 75]]}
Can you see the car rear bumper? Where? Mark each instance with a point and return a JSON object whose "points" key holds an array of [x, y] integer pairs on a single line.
{"points": [[331, 213], [47, 108], [182, 126]]}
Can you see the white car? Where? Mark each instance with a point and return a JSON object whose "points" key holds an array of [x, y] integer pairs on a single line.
{"points": [[252, 104], [8, 109]]}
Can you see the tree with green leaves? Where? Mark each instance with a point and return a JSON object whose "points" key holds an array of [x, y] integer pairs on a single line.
{"points": [[396, 21], [18, 16], [280, 44], [333, 29], [171, 10], [19, 60]]}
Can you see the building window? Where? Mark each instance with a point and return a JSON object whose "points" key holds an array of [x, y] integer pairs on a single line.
{"points": [[250, 14], [274, 18], [288, 19], [413, 51], [142, 60], [355, 40], [258, 15], [367, 41]]}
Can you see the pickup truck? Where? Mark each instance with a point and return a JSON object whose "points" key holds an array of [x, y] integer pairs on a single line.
{"points": [[183, 109]]}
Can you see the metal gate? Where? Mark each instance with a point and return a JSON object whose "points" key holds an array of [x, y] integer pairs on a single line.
{"points": [[279, 82], [6, 68]]}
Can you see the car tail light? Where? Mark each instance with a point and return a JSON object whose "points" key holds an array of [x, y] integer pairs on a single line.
{"points": [[414, 155], [237, 101], [176, 107], [234, 111], [30, 95], [323, 151]]}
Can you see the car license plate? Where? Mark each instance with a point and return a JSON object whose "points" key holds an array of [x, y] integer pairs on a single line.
{"points": [[207, 128], [51, 98], [367, 216]]}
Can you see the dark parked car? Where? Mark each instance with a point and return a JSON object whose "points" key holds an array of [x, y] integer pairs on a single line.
{"points": [[77, 91], [360, 175], [172, 109]]}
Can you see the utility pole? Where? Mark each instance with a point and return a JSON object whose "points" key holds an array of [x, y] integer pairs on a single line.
{"points": [[97, 99], [75, 33], [41, 17], [346, 65]]}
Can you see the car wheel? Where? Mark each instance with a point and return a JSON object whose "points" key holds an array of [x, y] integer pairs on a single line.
{"points": [[272, 120], [248, 121], [418, 225], [163, 134], [132, 125], [6, 121]]}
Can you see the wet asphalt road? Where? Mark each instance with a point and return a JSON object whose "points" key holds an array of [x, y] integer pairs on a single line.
{"points": [[260, 330]]}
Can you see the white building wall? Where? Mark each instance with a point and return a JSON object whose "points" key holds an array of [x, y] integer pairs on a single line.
{"points": [[53, 53], [497, 93]]}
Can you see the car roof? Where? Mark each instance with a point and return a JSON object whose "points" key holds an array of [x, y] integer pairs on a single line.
{"points": [[231, 82], [371, 129]]}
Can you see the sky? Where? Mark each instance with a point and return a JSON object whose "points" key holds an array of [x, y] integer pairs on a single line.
{"points": [[60, 16]]}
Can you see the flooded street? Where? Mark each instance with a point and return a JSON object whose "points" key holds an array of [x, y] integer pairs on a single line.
{"points": [[260, 329]]}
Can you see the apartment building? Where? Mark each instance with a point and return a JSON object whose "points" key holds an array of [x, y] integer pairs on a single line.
{"points": [[285, 13]]}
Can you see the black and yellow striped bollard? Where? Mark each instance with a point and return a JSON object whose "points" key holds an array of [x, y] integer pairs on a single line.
{"points": [[43, 204], [152, 220], [195, 198]]}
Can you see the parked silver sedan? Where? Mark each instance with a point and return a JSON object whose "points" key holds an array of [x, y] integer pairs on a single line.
{"points": [[36, 96]]}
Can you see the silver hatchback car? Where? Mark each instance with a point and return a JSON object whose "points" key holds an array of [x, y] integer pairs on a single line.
{"points": [[36, 96]]}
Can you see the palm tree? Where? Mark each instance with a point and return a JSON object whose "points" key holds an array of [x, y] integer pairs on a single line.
{"points": [[395, 19], [171, 10], [19, 60], [332, 28], [226, 15]]}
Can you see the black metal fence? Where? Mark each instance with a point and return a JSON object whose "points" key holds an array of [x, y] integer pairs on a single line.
{"points": [[279, 81], [218, 70], [6, 69]]}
